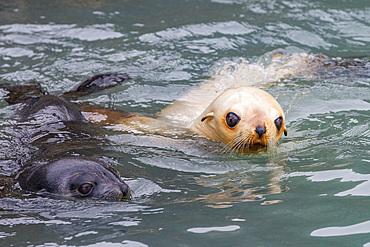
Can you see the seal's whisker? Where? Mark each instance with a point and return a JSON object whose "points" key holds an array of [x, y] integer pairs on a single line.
{"points": [[239, 146], [228, 148], [249, 142], [233, 145], [243, 140], [272, 141], [246, 141]]}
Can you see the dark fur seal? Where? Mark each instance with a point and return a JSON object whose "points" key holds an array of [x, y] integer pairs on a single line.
{"points": [[75, 177], [63, 158]]}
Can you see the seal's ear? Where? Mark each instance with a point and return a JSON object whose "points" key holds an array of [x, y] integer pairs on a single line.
{"points": [[208, 115], [285, 131]]}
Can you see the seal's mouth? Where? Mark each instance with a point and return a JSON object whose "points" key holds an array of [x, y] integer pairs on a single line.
{"points": [[246, 143]]}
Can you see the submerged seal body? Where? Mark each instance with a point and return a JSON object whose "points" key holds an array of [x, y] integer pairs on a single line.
{"points": [[63, 155]]}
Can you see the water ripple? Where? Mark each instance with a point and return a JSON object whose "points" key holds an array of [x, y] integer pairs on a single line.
{"points": [[360, 228], [49, 33], [345, 175]]}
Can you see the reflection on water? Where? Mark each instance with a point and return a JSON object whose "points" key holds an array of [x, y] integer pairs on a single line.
{"points": [[60, 218], [244, 185], [359, 228], [214, 229], [347, 175]]}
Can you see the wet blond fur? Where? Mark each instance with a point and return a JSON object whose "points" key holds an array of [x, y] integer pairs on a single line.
{"points": [[254, 106]]}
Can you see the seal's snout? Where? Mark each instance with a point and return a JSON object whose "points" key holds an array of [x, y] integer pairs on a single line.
{"points": [[115, 192], [125, 191], [260, 130]]}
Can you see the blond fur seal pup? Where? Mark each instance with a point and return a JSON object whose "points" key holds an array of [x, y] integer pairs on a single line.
{"points": [[225, 108], [242, 118]]}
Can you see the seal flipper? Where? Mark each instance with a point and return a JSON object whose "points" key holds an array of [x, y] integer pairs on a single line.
{"points": [[96, 83], [96, 114]]}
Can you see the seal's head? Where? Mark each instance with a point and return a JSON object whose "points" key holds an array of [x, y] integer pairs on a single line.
{"points": [[75, 177], [244, 118]]}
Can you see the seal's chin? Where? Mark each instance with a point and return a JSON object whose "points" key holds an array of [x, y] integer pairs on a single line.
{"points": [[245, 148], [256, 147]]}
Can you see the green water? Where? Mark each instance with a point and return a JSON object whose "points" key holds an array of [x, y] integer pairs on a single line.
{"points": [[312, 190]]}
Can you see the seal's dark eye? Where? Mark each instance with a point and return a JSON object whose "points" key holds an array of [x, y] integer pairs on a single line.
{"points": [[279, 123], [232, 119], [85, 189]]}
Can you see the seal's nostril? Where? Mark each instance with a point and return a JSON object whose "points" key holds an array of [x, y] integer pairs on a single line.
{"points": [[260, 130], [125, 190]]}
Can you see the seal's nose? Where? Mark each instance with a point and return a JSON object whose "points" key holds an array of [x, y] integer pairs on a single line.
{"points": [[260, 130], [115, 191], [125, 191]]}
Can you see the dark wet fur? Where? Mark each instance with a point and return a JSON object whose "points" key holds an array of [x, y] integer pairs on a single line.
{"points": [[350, 67]]}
